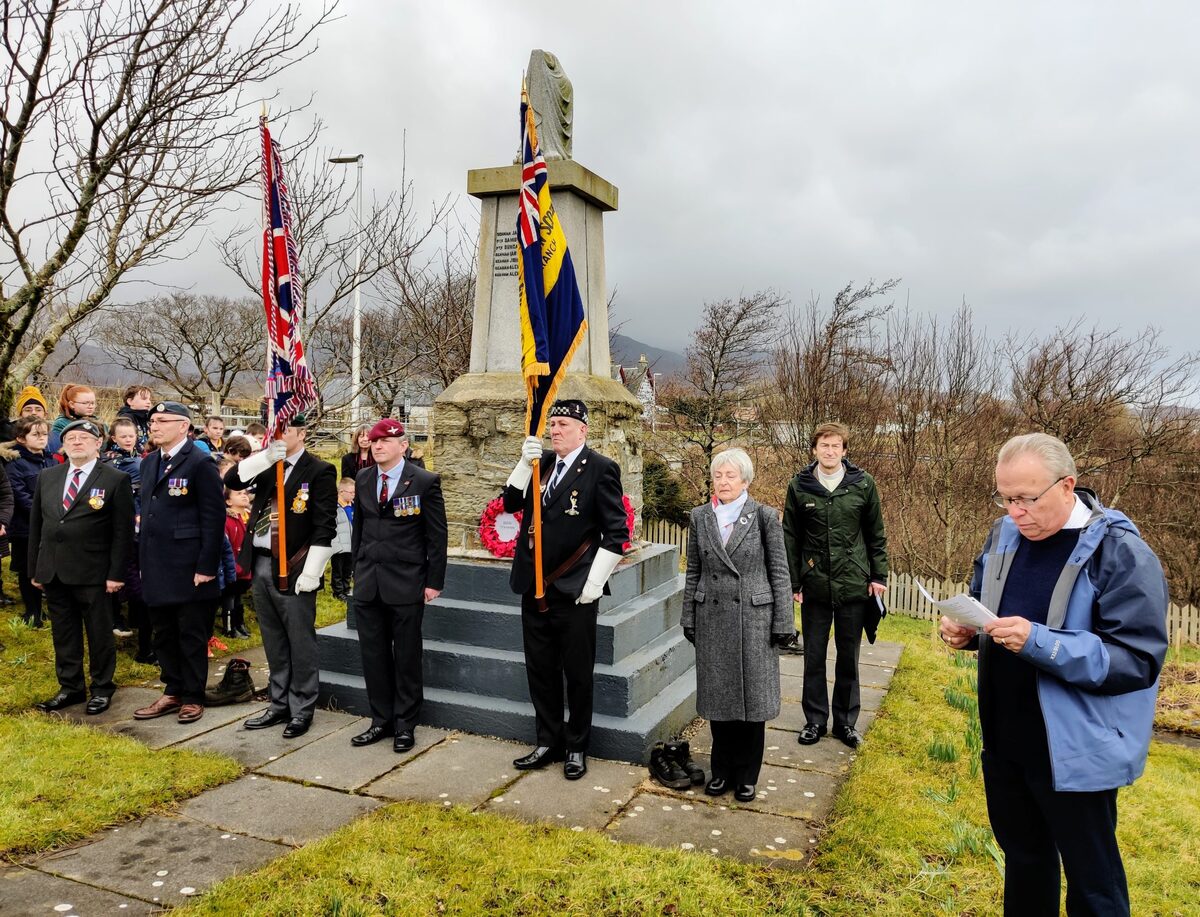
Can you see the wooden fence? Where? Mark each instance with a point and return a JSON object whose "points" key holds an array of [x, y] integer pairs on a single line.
{"points": [[903, 597]]}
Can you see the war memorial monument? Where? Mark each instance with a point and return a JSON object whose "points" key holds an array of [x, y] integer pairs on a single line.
{"points": [[473, 661]]}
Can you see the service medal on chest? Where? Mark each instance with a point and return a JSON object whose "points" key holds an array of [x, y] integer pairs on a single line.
{"points": [[574, 508], [300, 501], [96, 498]]}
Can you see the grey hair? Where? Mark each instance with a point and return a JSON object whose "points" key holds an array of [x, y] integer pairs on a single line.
{"points": [[738, 459], [1050, 449]]}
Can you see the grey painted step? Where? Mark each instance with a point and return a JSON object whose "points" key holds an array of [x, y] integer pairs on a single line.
{"points": [[619, 689], [616, 738], [620, 630], [483, 581]]}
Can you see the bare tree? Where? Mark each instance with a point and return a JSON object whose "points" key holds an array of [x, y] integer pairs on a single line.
{"points": [[136, 117], [1116, 401], [830, 365], [948, 417], [198, 346], [713, 401], [328, 238]]}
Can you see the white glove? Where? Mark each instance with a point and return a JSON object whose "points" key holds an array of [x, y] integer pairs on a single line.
{"points": [[602, 568], [531, 450], [314, 567], [250, 468]]}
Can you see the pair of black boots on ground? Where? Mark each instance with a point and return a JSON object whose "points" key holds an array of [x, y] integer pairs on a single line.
{"points": [[671, 765]]}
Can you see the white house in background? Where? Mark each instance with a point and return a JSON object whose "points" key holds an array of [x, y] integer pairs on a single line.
{"points": [[639, 380]]}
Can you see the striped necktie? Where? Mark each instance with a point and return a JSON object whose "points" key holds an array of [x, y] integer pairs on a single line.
{"points": [[72, 489], [555, 479]]}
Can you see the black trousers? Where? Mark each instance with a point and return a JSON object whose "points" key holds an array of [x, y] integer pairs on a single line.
{"points": [[847, 624], [181, 635], [737, 750], [72, 611], [560, 643], [390, 639], [31, 596], [341, 568], [1037, 827]]}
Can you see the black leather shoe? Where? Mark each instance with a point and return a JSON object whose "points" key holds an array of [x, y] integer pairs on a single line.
{"points": [[296, 727], [810, 734], [97, 704], [716, 787], [847, 735], [745, 792], [404, 741], [372, 735], [62, 699], [539, 757], [266, 719], [576, 765]]}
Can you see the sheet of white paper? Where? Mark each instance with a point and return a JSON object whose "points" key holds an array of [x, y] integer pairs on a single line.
{"points": [[961, 608]]}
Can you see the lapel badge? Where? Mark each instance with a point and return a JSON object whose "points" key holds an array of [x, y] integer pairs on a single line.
{"points": [[96, 498], [811, 563], [574, 509], [745, 520]]}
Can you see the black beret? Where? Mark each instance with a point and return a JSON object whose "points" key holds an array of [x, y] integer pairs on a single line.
{"points": [[86, 425], [570, 407], [171, 407]]}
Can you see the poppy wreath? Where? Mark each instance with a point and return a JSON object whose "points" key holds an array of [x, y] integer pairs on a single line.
{"points": [[489, 537], [629, 516]]}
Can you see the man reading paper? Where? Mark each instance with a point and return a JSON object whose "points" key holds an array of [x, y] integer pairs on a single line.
{"points": [[1068, 678]]}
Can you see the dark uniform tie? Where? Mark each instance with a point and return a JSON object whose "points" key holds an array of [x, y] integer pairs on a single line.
{"points": [[555, 479], [383, 493]]}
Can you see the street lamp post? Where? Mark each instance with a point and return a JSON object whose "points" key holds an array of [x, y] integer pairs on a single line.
{"points": [[356, 340]]}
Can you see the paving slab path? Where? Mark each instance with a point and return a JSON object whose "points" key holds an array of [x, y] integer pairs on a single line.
{"points": [[296, 791]]}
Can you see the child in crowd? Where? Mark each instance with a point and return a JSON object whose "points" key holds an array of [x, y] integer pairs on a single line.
{"points": [[75, 403], [257, 434], [237, 448], [24, 458], [237, 512], [137, 400], [343, 559], [214, 434], [122, 453]]}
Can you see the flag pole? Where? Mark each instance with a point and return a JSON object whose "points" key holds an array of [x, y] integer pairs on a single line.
{"points": [[539, 585], [281, 520]]}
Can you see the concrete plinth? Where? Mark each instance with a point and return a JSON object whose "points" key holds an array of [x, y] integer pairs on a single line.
{"points": [[474, 667]]}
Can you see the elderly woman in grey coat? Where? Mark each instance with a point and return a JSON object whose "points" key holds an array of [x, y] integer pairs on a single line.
{"points": [[737, 608]]}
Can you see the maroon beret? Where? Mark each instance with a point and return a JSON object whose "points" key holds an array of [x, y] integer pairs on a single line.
{"points": [[386, 428]]}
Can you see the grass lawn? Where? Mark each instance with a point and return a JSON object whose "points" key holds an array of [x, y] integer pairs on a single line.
{"points": [[908, 836], [60, 782]]}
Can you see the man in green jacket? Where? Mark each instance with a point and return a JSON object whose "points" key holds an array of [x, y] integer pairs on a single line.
{"points": [[837, 554]]}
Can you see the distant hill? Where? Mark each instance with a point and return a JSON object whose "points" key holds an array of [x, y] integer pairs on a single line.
{"points": [[627, 350]]}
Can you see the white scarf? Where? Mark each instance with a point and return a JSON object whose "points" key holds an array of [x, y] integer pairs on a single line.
{"points": [[728, 514]]}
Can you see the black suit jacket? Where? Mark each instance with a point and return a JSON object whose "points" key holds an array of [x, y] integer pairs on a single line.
{"points": [[586, 503], [181, 534], [397, 557], [315, 524], [83, 545]]}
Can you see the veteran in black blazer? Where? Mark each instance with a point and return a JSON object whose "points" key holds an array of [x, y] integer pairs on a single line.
{"points": [[583, 537], [80, 535], [182, 531], [398, 542], [288, 616]]}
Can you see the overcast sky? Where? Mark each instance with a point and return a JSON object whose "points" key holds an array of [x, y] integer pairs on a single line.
{"points": [[1038, 160]]}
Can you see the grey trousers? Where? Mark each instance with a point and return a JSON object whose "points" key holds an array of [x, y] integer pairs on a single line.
{"points": [[289, 631]]}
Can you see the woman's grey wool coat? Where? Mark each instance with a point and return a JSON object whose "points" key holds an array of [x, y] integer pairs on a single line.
{"points": [[735, 596]]}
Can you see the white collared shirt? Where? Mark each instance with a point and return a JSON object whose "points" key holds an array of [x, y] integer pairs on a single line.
{"points": [[393, 480], [86, 469], [1079, 515], [568, 461]]}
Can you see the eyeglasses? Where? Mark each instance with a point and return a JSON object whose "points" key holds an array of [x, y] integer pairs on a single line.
{"points": [[159, 421], [1021, 502]]}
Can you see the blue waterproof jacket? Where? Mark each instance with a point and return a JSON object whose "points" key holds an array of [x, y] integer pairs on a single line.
{"points": [[1100, 651]]}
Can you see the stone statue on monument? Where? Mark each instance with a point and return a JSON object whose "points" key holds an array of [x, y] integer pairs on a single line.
{"points": [[553, 101]]}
